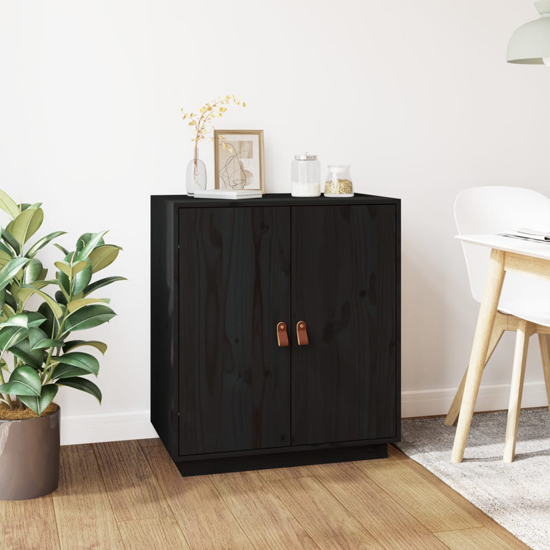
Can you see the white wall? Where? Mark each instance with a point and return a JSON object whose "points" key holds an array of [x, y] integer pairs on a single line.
{"points": [[416, 96]]}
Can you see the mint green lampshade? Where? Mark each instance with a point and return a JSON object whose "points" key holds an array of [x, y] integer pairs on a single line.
{"points": [[530, 44]]}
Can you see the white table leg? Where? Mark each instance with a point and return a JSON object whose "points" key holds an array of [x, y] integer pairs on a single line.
{"points": [[484, 328]]}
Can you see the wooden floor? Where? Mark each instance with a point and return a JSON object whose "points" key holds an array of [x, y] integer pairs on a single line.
{"points": [[130, 495]]}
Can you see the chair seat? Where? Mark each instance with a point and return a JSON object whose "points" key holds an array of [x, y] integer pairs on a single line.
{"points": [[534, 312]]}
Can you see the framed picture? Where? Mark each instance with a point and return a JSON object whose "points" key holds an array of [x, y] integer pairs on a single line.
{"points": [[239, 159]]}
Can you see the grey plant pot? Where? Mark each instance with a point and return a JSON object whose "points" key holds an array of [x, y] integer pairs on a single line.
{"points": [[29, 457]]}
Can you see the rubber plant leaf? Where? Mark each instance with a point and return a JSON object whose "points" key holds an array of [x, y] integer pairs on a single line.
{"points": [[23, 381], [41, 243], [103, 256], [88, 317], [32, 271], [10, 270], [75, 305], [7, 204], [39, 404], [101, 283], [82, 384], [74, 344], [55, 307], [68, 371], [81, 360], [90, 245], [26, 224]]}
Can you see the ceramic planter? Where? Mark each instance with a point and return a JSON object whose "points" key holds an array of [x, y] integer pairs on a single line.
{"points": [[29, 457]]}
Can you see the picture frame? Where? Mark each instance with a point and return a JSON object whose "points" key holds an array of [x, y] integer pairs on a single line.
{"points": [[239, 160]]}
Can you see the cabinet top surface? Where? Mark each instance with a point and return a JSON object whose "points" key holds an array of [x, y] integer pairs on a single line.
{"points": [[273, 199]]}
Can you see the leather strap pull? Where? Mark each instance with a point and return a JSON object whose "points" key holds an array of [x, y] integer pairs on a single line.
{"points": [[282, 335], [301, 333]]}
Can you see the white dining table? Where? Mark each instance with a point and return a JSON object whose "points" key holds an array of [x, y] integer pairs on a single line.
{"points": [[507, 255]]}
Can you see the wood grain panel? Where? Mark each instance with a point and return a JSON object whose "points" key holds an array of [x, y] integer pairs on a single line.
{"points": [[328, 523], [149, 534], [153, 442], [433, 509], [28, 525], [344, 277], [387, 521], [83, 511], [234, 277], [201, 512], [130, 484], [266, 521], [473, 539]]}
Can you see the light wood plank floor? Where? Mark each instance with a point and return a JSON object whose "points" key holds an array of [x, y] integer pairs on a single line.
{"points": [[129, 495]]}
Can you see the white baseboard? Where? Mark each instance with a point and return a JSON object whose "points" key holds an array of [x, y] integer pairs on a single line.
{"points": [[490, 398], [96, 428]]}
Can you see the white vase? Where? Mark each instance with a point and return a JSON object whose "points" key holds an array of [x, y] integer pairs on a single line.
{"points": [[195, 178]]}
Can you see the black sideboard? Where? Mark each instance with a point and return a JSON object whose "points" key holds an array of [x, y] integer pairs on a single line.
{"points": [[230, 283]]}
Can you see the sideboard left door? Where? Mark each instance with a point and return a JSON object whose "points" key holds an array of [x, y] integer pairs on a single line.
{"points": [[234, 287]]}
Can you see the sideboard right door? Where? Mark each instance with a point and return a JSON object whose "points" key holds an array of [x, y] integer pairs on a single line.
{"points": [[344, 287]]}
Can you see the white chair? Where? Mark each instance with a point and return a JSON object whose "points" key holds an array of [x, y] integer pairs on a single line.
{"points": [[524, 305]]}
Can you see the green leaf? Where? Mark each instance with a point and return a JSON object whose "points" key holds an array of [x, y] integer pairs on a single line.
{"points": [[94, 240], [23, 381], [64, 267], [101, 283], [103, 256], [68, 371], [26, 224], [88, 317], [58, 312], [12, 244], [73, 344], [82, 384], [32, 272], [60, 298], [47, 343], [24, 294], [50, 325], [24, 320], [43, 242], [23, 351], [5, 257], [11, 336], [77, 304], [7, 204], [39, 404], [84, 239], [10, 270], [81, 360], [62, 248]]}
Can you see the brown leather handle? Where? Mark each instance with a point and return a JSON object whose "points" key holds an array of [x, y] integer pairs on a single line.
{"points": [[282, 335], [301, 333]]}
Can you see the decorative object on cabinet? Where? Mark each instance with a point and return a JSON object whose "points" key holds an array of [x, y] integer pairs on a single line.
{"points": [[239, 159], [236, 382], [306, 176], [202, 123], [39, 344], [226, 194], [530, 43], [338, 182]]}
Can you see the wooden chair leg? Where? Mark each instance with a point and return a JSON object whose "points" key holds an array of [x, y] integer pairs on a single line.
{"points": [[485, 322], [524, 331], [496, 335], [545, 354]]}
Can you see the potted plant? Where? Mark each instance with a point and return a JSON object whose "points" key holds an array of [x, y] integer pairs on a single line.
{"points": [[38, 351]]}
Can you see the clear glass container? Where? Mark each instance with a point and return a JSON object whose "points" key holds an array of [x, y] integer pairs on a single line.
{"points": [[306, 176], [338, 182]]}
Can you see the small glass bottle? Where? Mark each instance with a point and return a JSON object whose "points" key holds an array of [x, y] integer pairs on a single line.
{"points": [[306, 176], [338, 183]]}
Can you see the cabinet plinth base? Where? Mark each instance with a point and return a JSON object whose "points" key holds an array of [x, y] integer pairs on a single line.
{"points": [[280, 460]]}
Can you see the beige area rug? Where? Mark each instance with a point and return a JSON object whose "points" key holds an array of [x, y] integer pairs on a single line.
{"points": [[515, 495]]}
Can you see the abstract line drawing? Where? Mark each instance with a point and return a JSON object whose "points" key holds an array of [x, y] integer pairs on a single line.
{"points": [[235, 161]]}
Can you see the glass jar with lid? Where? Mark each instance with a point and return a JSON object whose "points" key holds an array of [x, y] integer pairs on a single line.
{"points": [[338, 182], [306, 176]]}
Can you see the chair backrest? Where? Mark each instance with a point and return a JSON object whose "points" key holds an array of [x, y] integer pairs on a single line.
{"points": [[496, 210]]}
